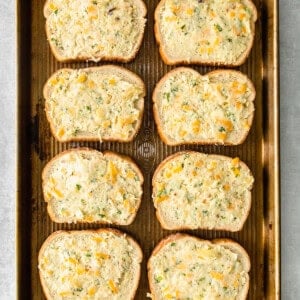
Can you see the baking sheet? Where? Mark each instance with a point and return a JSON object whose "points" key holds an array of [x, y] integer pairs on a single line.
{"points": [[36, 146]]}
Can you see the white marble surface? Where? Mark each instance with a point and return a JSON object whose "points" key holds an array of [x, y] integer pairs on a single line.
{"points": [[7, 149], [290, 147]]}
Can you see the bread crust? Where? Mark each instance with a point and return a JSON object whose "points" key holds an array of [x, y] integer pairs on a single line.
{"points": [[216, 156], [143, 10], [228, 243], [167, 60], [51, 237], [114, 69], [159, 125], [48, 166]]}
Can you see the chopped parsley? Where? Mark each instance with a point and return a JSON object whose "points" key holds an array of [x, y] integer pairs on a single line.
{"points": [[76, 131], [218, 27], [167, 95]]}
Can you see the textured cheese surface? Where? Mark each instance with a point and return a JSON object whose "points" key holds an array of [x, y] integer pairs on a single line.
{"points": [[87, 186], [210, 30], [191, 269], [89, 265], [94, 29], [196, 190], [215, 108], [94, 103]]}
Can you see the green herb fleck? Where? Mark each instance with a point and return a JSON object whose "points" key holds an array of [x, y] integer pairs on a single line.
{"points": [[194, 82], [218, 27], [76, 131], [173, 244], [99, 99], [88, 107], [162, 192], [222, 129], [174, 89], [167, 95], [78, 187], [158, 279], [88, 254], [248, 10]]}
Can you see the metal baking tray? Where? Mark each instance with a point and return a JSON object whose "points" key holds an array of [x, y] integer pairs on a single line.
{"points": [[36, 146]]}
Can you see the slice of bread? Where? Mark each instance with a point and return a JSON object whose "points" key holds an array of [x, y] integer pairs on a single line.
{"points": [[192, 190], [86, 186], [210, 32], [90, 264], [186, 267], [100, 103], [95, 30], [216, 108]]}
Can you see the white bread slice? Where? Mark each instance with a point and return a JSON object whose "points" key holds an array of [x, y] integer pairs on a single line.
{"points": [[186, 267], [83, 185], [211, 32], [100, 103], [90, 264], [95, 30], [216, 108], [192, 190]]}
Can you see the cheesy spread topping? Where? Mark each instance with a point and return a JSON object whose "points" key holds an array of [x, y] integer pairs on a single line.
{"points": [[89, 266], [191, 269], [88, 186], [216, 108], [95, 29], [93, 104], [197, 190], [210, 30]]}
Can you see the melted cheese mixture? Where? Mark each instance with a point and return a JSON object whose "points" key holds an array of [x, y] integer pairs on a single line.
{"points": [[209, 30], [89, 266], [87, 186], [95, 104], [188, 269], [196, 190], [212, 108], [94, 29]]}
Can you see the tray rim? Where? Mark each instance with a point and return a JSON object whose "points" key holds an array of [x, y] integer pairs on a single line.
{"points": [[272, 243], [275, 257]]}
